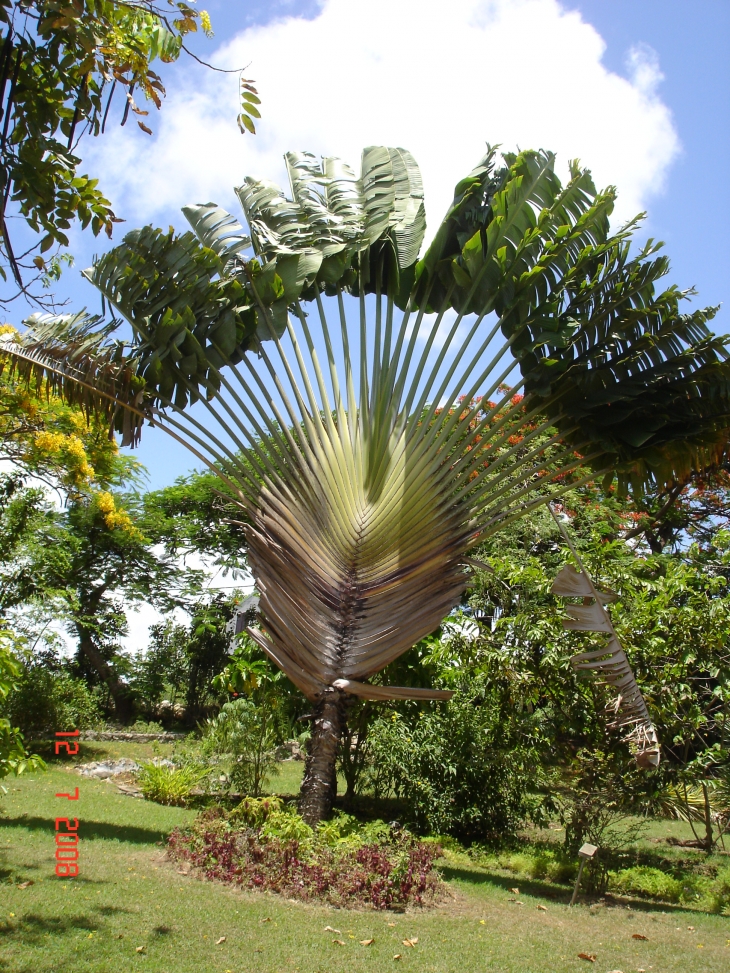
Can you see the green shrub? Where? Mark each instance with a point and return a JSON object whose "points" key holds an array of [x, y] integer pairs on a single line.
{"points": [[244, 737], [544, 864], [720, 893], [344, 830], [170, 785], [45, 700], [650, 882], [14, 758], [458, 768], [141, 726], [254, 811], [286, 825]]}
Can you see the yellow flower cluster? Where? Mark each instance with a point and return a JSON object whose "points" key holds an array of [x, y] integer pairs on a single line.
{"points": [[8, 329], [27, 405], [72, 447], [114, 518], [105, 502], [49, 442], [75, 448], [205, 23]]}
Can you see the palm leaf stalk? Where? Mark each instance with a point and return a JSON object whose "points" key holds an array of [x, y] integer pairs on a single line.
{"points": [[368, 460]]}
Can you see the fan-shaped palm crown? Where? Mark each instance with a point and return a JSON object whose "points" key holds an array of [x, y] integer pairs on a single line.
{"points": [[364, 481]]}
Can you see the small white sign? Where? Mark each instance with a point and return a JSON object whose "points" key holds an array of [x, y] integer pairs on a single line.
{"points": [[588, 851]]}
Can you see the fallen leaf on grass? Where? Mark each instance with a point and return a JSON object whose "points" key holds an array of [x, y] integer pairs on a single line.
{"points": [[397, 956], [515, 891], [591, 957], [690, 928], [391, 924], [140, 949], [340, 942], [330, 929], [24, 885], [637, 935], [366, 942], [542, 908], [410, 942], [267, 919], [221, 940]]}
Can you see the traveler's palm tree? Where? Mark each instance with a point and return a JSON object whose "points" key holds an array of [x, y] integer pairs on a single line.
{"points": [[352, 394]]}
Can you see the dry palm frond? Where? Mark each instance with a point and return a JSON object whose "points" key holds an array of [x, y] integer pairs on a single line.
{"points": [[609, 663]]}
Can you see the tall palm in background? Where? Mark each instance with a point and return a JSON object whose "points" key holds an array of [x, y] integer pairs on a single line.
{"points": [[372, 442]]}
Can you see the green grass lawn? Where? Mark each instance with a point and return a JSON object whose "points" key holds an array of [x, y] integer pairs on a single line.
{"points": [[128, 896]]}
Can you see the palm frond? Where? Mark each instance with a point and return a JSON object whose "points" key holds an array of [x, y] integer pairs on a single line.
{"points": [[609, 662], [368, 476], [73, 356]]}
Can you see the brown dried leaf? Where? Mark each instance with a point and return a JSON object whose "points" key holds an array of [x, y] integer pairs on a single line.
{"points": [[366, 942], [515, 891], [267, 919], [410, 942], [145, 128], [542, 908], [340, 942], [591, 957], [637, 935], [391, 924], [24, 885], [330, 929], [221, 940], [140, 949], [397, 956]]}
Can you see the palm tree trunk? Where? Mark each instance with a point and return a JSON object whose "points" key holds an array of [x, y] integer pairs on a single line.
{"points": [[319, 786], [708, 820]]}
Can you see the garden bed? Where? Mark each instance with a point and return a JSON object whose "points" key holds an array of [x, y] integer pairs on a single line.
{"points": [[264, 845]]}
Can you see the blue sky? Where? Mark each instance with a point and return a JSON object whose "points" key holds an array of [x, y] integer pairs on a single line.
{"points": [[643, 98]]}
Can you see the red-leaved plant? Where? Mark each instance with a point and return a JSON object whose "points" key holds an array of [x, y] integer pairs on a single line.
{"points": [[394, 871]]}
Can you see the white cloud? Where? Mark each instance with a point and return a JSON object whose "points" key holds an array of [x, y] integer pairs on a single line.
{"points": [[642, 62], [439, 79]]}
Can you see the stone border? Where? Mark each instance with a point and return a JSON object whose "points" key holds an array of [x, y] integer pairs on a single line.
{"points": [[131, 737]]}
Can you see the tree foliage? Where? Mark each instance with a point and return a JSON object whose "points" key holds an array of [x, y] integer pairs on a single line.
{"points": [[62, 62], [14, 758]]}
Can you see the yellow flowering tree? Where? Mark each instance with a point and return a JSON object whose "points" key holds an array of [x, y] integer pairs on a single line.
{"points": [[44, 435]]}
